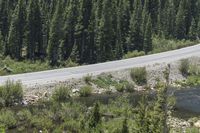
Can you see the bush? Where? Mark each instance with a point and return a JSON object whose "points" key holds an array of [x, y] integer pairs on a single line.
{"points": [[7, 119], [120, 87], [129, 87], [193, 81], [139, 75], [41, 122], [133, 54], [105, 81], [62, 94], [11, 93], [194, 70], [184, 67], [85, 91], [88, 79]]}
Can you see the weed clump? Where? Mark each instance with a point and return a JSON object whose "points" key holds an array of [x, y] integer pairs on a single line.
{"points": [[62, 94], [139, 75], [85, 91], [11, 93], [184, 67]]}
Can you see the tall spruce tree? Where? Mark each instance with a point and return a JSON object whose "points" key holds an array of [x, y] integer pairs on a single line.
{"points": [[1, 44], [34, 30], [69, 30], [106, 35], [193, 30], [16, 32], [55, 36], [148, 36], [4, 22], [95, 118], [198, 29], [180, 21], [135, 38]]}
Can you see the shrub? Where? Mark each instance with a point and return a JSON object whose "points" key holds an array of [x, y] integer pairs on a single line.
{"points": [[184, 67], [133, 54], [193, 81], [88, 79], [120, 87], [7, 118], [62, 94], [85, 91], [41, 122], [194, 70], [129, 87], [11, 93], [139, 75]]}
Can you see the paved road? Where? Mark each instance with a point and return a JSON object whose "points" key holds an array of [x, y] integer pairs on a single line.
{"points": [[53, 76]]}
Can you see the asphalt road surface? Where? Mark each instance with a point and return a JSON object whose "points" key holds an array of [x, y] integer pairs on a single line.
{"points": [[59, 75]]}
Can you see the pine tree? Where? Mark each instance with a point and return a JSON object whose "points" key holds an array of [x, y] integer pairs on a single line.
{"points": [[180, 21], [106, 35], [124, 22], [16, 33], [34, 30], [4, 22], [148, 36], [55, 36], [135, 38], [193, 30], [95, 118], [69, 30], [125, 127], [159, 115], [1, 44], [198, 30]]}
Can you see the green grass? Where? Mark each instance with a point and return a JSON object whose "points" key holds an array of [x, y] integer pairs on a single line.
{"points": [[104, 81], [85, 91], [162, 45], [10, 94], [139, 75]]}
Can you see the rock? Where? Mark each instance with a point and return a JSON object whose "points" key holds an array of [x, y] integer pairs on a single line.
{"points": [[197, 124], [75, 90]]}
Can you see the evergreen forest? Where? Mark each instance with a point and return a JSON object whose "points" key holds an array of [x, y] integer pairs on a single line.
{"points": [[91, 31]]}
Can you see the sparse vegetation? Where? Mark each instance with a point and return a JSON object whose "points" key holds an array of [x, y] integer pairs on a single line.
{"points": [[85, 91], [105, 81], [184, 67], [139, 75], [133, 54], [11, 93], [88, 79], [62, 94]]}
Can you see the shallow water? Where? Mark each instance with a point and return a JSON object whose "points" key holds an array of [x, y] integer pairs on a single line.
{"points": [[187, 101]]}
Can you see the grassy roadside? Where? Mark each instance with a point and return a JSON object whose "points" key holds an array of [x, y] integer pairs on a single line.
{"points": [[9, 66]]}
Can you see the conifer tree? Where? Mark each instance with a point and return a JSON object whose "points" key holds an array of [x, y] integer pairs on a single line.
{"points": [[193, 30], [1, 44], [148, 36], [198, 30], [180, 21], [95, 118], [4, 22], [135, 38], [55, 36], [16, 33], [106, 35], [34, 30], [159, 116], [125, 126], [69, 30]]}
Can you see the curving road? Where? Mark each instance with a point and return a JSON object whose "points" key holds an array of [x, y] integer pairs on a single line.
{"points": [[54, 76]]}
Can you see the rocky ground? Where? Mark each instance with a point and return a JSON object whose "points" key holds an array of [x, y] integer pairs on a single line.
{"points": [[155, 73]]}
